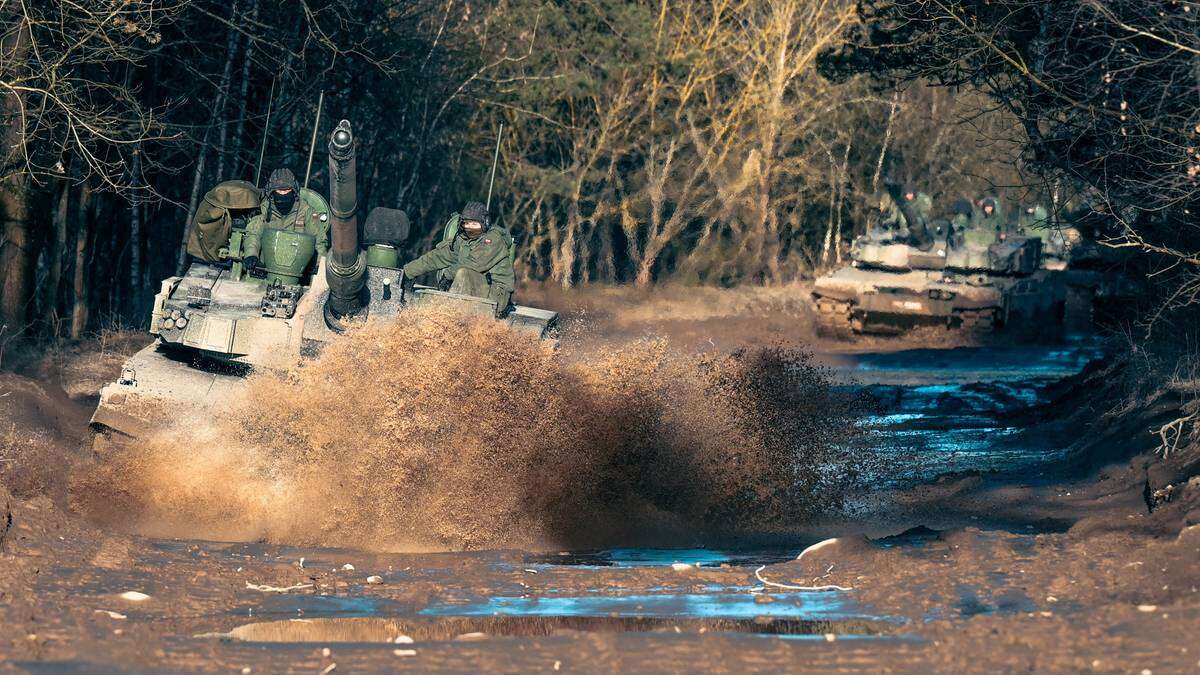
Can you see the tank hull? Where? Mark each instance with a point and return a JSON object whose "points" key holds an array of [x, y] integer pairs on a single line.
{"points": [[189, 371], [854, 301]]}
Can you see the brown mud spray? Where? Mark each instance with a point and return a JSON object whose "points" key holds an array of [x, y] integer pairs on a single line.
{"points": [[446, 432]]}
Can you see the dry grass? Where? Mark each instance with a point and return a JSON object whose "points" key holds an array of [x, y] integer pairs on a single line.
{"points": [[82, 367], [628, 306]]}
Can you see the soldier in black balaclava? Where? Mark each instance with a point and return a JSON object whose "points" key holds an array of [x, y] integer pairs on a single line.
{"points": [[283, 209]]}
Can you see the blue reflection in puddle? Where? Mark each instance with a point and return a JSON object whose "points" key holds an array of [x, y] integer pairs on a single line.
{"points": [[812, 606], [994, 363], [663, 557]]}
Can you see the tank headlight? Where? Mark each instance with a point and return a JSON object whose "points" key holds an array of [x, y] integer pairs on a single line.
{"points": [[181, 322], [168, 323], [175, 314]]}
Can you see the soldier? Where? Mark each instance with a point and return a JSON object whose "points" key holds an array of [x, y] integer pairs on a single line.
{"points": [[915, 208], [475, 261], [903, 214], [987, 222], [1032, 220], [283, 209], [1056, 240], [885, 221], [960, 222]]}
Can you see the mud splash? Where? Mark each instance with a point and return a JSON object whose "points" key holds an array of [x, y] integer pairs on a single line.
{"points": [[451, 433]]}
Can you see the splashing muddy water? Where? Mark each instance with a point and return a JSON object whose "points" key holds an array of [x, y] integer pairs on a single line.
{"points": [[449, 432]]}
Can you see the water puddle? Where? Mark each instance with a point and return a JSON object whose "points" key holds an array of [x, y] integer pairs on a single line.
{"points": [[964, 365], [664, 557], [387, 630], [941, 412], [811, 606]]}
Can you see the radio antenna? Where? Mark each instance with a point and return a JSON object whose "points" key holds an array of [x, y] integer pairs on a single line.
{"points": [[312, 145], [266, 132], [495, 160]]}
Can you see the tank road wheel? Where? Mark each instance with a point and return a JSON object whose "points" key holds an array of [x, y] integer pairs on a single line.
{"points": [[977, 323], [833, 319]]}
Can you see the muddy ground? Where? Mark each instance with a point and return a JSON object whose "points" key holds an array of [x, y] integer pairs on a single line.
{"points": [[1077, 551]]}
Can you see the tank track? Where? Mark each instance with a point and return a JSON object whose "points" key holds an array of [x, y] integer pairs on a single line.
{"points": [[977, 322], [833, 319]]}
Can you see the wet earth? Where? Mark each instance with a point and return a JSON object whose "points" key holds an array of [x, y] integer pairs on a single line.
{"points": [[990, 584]]}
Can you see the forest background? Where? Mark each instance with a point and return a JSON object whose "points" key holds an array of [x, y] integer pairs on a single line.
{"points": [[715, 142]]}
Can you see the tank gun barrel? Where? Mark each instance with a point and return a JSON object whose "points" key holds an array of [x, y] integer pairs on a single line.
{"points": [[346, 265], [343, 196]]}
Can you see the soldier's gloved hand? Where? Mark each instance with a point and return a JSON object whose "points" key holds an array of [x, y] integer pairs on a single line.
{"points": [[250, 262], [407, 288]]}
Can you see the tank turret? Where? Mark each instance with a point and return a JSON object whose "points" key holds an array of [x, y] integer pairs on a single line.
{"points": [[346, 267], [216, 321]]}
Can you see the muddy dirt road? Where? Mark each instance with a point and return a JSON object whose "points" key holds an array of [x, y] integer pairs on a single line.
{"points": [[969, 546]]}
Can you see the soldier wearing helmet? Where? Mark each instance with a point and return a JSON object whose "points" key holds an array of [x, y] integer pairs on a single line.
{"points": [[903, 216], [960, 222], [474, 257], [916, 207], [283, 209], [987, 221]]}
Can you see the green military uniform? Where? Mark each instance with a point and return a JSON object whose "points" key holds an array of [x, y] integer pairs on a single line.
{"points": [[984, 229], [960, 222], [1034, 219], [887, 223], [303, 218], [1035, 222], [894, 225], [479, 267], [921, 207]]}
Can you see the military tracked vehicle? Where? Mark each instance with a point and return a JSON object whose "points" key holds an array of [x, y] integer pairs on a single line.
{"points": [[892, 287], [216, 320]]}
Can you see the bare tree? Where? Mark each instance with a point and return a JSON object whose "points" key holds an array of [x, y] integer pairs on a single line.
{"points": [[54, 106]]}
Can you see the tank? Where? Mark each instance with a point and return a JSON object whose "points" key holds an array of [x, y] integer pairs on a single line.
{"points": [[216, 321], [891, 288]]}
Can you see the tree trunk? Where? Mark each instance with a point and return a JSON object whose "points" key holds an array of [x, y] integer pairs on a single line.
{"points": [[198, 176], [843, 181], [58, 250], [244, 97], [16, 247], [16, 254], [135, 228], [231, 48], [79, 311]]}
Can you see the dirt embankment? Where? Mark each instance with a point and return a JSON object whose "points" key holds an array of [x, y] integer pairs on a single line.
{"points": [[1131, 431]]}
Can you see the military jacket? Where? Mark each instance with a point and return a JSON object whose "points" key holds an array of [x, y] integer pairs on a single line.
{"points": [[487, 255], [892, 216], [1032, 222], [303, 218]]}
